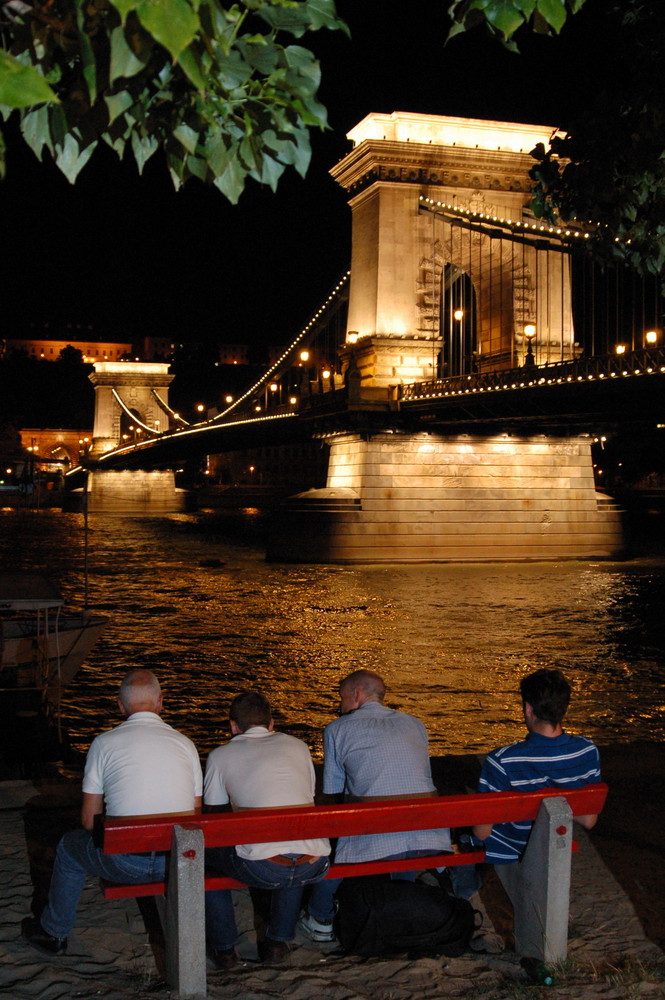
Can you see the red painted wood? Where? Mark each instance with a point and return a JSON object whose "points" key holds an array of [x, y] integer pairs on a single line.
{"points": [[112, 890], [127, 836]]}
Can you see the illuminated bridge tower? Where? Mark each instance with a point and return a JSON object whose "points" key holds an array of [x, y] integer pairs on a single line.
{"points": [[447, 280], [131, 405]]}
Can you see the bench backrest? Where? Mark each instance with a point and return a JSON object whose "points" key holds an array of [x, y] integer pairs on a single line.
{"points": [[131, 836]]}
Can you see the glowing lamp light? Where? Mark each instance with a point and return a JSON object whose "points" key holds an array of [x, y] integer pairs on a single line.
{"points": [[620, 349], [273, 387], [326, 373], [458, 314], [304, 355], [200, 407], [352, 337], [529, 331], [228, 399], [257, 408], [293, 400], [651, 336]]}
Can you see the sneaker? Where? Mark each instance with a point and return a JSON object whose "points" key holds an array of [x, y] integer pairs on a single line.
{"points": [[314, 929], [33, 932]]}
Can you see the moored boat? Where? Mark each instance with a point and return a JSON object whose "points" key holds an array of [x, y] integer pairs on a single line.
{"points": [[41, 648]]}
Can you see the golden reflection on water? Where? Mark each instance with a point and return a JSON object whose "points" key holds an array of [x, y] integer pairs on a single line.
{"points": [[188, 598]]}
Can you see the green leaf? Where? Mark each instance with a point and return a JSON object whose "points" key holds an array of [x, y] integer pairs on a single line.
{"points": [[123, 7], [554, 12], [124, 63], [71, 159], [188, 62], [504, 16], [21, 86], [322, 14], [143, 146], [117, 103], [172, 23], [187, 136], [231, 181], [86, 53]]}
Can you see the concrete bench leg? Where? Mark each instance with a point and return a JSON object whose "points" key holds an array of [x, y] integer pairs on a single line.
{"points": [[183, 915], [539, 884]]}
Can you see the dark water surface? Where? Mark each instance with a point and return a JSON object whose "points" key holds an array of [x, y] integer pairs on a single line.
{"points": [[452, 641]]}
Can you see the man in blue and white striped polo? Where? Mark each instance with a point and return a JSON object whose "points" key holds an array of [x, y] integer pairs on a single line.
{"points": [[549, 757]]}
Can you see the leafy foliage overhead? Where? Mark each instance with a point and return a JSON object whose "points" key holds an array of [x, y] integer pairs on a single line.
{"points": [[607, 170], [212, 85], [505, 17]]}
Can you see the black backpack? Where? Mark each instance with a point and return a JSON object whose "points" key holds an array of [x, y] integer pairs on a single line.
{"points": [[382, 916]]}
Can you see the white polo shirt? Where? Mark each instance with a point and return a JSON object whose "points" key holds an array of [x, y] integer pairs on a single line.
{"points": [[142, 767], [258, 770]]}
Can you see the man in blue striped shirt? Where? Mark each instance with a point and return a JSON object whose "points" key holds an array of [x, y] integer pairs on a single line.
{"points": [[549, 757]]}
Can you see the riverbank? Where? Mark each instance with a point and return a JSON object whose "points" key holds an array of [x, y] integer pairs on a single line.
{"points": [[617, 931]]}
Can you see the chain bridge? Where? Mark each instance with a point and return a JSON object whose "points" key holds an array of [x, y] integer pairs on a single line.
{"points": [[456, 376]]}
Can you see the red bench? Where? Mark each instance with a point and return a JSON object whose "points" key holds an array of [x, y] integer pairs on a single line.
{"points": [[542, 877]]}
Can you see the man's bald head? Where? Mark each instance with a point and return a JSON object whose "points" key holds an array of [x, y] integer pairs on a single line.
{"points": [[140, 692]]}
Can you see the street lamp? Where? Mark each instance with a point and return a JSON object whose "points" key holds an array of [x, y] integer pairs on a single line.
{"points": [[529, 335], [458, 314], [620, 349], [651, 337]]}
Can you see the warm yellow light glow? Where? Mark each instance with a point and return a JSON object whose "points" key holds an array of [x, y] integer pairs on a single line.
{"points": [[228, 399], [200, 407], [130, 367], [273, 387], [257, 408], [352, 337], [326, 373], [459, 314], [651, 336], [440, 130], [529, 331], [293, 400], [620, 349], [304, 355]]}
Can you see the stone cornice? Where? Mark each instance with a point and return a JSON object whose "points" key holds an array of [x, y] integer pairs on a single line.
{"points": [[431, 165]]}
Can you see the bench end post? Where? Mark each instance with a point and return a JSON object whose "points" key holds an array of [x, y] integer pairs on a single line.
{"points": [[185, 915], [539, 884]]}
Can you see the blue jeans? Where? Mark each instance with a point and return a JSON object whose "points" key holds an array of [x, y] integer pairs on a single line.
{"points": [[75, 859], [321, 905], [285, 881]]}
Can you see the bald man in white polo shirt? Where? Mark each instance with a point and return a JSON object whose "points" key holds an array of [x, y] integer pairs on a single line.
{"points": [[142, 767]]}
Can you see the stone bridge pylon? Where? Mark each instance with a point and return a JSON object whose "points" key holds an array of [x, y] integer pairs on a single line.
{"points": [[439, 286], [131, 405]]}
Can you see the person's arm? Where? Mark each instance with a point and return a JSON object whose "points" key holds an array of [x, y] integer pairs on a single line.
{"points": [[93, 805], [198, 800], [482, 830]]}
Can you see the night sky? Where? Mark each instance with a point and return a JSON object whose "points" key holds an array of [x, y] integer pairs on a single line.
{"points": [[132, 257]]}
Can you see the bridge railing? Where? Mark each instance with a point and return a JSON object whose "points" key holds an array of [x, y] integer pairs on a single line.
{"points": [[640, 362]]}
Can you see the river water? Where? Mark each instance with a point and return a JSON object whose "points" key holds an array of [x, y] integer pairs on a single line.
{"points": [[451, 641]]}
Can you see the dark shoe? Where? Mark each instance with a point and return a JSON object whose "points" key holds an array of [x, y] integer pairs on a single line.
{"points": [[273, 952], [223, 958], [33, 932]]}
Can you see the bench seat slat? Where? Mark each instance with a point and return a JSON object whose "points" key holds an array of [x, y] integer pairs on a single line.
{"points": [[127, 836]]}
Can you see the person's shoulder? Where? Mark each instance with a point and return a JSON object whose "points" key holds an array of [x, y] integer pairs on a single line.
{"points": [[507, 751]]}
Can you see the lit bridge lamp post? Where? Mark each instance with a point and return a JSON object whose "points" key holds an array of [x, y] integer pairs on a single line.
{"points": [[529, 336]]}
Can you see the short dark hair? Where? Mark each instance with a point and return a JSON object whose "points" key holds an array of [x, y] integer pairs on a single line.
{"points": [[548, 693], [250, 708]]}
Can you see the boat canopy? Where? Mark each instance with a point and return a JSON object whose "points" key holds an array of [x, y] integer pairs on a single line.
{"points": [[28, 592]]}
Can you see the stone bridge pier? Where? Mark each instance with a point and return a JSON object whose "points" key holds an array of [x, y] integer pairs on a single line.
{"points": [[131, 405]]}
